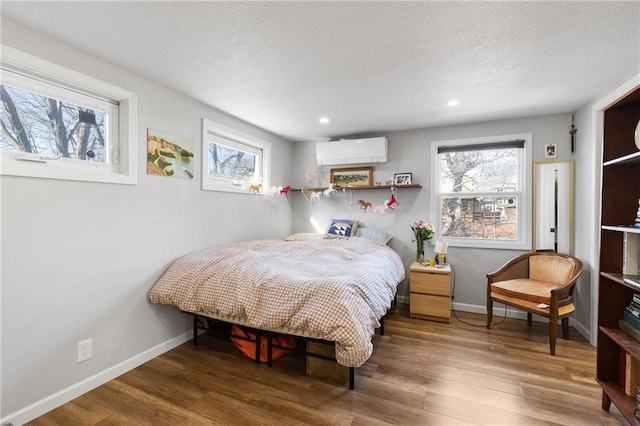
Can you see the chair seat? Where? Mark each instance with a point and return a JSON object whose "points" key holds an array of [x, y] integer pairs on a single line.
{"points": [[525, 289]]}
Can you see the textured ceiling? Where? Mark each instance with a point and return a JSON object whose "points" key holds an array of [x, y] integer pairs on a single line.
{"points": [[369, 66]]}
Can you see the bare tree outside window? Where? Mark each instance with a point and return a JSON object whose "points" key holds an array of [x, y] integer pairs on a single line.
{"points": [[479, 193], [37, 124], [230, 163]]}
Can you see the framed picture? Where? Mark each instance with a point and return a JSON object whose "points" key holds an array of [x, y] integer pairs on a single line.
{"points": [[551, 151], [352, 176], [169, 155], [402, 178]]}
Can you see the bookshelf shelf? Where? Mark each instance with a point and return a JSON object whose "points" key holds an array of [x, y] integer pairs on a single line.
{"points": [[622, 339], [630, 159], [625, 403], [620, 279], [621, 228]]}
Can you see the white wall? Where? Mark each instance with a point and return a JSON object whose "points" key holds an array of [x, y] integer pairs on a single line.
{"points": [[587, 211], [79, 258], [409, 152]]}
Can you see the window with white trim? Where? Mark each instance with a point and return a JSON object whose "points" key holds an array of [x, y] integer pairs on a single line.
{"points": [[233, 161], [57, 123], [481, 190]]}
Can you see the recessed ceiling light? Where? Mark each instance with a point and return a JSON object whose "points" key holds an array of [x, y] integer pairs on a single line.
{"points": [[453, 102], [324, 120]]}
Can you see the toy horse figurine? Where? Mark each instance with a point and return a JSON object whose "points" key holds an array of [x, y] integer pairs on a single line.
{"points": [[315, 196], [307, 192], [364, 204], [285, 191], [327, 192], [392, 202], [255, 189]]}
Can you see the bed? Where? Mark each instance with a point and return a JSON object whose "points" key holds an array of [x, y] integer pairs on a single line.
{"points": [[335, 290]]}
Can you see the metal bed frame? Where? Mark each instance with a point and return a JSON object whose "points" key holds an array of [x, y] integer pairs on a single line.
{"points": [[269, 334]]}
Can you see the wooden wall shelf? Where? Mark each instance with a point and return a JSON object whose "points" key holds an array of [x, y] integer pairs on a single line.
{"points": [[359, 188]]}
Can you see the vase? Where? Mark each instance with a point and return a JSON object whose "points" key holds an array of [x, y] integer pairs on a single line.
{"points": [[420, 251]]}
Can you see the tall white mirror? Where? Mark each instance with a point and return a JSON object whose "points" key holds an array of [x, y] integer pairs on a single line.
{"points": [[553, 206]]}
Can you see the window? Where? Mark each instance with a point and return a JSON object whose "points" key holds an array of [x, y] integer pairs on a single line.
{"points": [[60, 124], [232, 161], [480, 191]]}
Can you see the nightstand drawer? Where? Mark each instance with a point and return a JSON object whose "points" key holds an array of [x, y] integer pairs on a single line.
{"points": [[427, 283], [431, 307]]}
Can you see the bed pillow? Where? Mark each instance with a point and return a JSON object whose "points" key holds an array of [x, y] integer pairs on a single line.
{"points": [[304, 236], [342, 228], [374, 234]]}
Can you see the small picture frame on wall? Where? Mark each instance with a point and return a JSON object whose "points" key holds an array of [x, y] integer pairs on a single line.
{"points": [[551, 151], [402, 178]]}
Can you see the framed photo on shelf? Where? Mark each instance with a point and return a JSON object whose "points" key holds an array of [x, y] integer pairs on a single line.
{"points": [[551, 151], [352, 176], [402, 178]]}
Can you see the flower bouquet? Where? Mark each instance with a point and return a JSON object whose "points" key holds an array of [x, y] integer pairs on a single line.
{"points": [[423, 231]]}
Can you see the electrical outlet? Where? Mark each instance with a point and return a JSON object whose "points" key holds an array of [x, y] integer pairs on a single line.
{"points": [[85, 350]]}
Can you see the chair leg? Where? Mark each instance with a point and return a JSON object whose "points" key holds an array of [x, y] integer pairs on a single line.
{"points": [[565, 328], [553, 335], [489, 311], [529, 318]]}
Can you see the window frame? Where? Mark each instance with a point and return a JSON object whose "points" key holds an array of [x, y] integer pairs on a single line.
{"points": [[122, 168], [235, 139], [523, 242]]}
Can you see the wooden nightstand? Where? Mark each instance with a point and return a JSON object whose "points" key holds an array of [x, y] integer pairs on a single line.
{"points": [[430, 292]]}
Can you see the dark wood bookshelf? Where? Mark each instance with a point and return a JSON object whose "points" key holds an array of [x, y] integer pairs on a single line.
{"points": [[618, 250]]}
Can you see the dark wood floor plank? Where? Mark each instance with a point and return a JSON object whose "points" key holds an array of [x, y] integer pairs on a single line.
{"points": [[142, 408]]}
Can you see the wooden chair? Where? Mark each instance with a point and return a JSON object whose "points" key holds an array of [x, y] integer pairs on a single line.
{"points": [[539, 283]]}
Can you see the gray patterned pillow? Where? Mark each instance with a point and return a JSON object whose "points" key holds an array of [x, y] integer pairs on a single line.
{"points": [[374, 234]]}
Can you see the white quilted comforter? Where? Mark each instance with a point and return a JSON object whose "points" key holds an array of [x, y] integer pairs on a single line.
{"points": [[335, 289]]}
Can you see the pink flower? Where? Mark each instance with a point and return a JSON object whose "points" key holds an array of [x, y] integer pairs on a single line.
{"points": [[422, 230]]}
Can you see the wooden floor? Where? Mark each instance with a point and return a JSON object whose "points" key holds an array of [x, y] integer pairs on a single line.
{"points": [[421, 373]]}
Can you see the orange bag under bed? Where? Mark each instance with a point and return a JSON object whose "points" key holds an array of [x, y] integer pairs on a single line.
{"points": [[248, 347]]}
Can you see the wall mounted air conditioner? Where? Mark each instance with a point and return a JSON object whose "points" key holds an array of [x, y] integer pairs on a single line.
{"points": [[352, 151]]}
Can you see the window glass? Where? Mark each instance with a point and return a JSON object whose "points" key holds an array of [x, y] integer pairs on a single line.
{"points": [[480, 186], [234, 161], [480, 217], [38, 124], [494, 170]]}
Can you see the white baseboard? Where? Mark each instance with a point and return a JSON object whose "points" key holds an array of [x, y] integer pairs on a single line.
{"points": [[580, 328], [63, 396], [499, 311]]}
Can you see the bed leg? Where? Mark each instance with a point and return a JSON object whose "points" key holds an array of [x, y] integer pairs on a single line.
{"points": [[382, 326], [257, 346], [352, 378], [269, 349], [195, 330]]}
